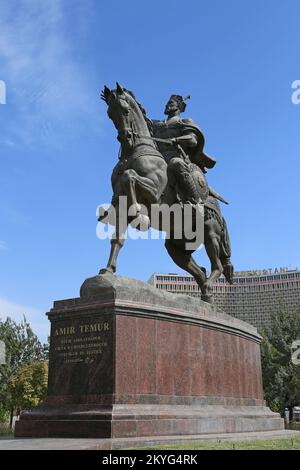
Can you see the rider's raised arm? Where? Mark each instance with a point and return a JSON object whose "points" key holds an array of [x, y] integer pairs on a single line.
{"points": [[187, 140]]}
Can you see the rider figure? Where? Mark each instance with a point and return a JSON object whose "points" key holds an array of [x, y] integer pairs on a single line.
{"points": [[186, 160]]}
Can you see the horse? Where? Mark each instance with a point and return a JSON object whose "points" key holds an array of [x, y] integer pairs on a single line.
{"points": [[141, 176]]}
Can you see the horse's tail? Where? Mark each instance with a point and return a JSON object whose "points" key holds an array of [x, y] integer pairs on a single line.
{"points": [[225, 254]]}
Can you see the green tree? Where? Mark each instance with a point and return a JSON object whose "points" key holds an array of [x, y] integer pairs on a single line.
{"points": [[22, 347], [28, 385], [281, 378]]}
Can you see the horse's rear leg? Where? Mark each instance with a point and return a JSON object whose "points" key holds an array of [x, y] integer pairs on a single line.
{"points": [[116, 246], [184, 260], [117, 242], [212, 246]]}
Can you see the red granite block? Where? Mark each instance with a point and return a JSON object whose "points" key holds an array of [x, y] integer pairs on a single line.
{"points": [[154, 427], [253, 371], [259, 373], [209, 366], [126, 354], [183, 426], [181, 363], [243, 371], [247, 366], [164, 359], [218, 370], [230, 424], [124, 428], [206, 363], [255, 391], [231, 368], [194, 361], [226, 363], [79, 429], [236, 366], [146, 356], [64, 428], [239, 367], [254, 376], [76, 399], [30, 428], [196, 353]]}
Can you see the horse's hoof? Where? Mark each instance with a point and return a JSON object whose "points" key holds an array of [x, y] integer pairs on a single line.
{"points": [[134, 210], [107, 271], [103, 216], [141, 222], [207, 298]]}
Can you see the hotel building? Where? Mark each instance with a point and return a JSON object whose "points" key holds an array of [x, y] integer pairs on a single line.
{"points": [[253, 296]]}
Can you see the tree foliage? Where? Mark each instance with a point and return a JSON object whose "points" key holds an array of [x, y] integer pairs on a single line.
{"points": [[281, 377], [22, 347], [28, 385]]}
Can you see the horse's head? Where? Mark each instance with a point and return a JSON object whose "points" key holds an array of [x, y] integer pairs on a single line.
{"points": [[125, 112]]}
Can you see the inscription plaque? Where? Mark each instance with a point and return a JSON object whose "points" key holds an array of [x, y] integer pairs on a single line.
{"points": [[81, 356]]}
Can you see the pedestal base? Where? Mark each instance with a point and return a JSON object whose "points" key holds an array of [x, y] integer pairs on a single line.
{"points": [[143, 421], [127, 360]]}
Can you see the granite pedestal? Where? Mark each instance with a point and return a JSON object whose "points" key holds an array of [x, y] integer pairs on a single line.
{"points": [[128, 360]]}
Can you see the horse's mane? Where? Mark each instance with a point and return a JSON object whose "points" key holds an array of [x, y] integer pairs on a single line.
{"points": [[148, 121]]}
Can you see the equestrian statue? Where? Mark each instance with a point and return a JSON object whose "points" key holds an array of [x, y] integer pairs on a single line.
{"points": [[163, 162]]}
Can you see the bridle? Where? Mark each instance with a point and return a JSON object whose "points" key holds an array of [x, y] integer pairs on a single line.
{"points": [[129, 134]]}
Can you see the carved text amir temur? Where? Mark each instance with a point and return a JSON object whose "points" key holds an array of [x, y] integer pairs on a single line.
{"points": [[91, 328]]}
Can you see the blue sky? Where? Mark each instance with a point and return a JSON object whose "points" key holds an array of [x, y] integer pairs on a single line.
{"points": [[237, 59]]}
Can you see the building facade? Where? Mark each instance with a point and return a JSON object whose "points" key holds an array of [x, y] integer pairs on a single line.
{"points": [[253, 296]]}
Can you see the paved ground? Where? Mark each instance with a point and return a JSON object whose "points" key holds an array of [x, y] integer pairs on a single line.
{"points": [[9, 443]]}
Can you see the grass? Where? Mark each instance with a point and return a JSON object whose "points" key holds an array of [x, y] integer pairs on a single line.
{"points": [[289, 443]]}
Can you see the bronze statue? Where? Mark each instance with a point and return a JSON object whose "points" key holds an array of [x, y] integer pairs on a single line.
{"points": [[188, 141], [164, 162]]}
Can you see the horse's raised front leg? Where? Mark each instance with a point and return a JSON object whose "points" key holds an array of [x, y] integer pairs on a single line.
{"points": [[140, 190], [133, 183]]}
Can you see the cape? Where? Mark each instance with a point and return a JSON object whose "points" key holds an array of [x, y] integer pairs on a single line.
{"points": [[196, 154]]}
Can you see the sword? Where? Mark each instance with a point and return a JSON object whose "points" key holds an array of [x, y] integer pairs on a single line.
{"points": [[214, 194]]}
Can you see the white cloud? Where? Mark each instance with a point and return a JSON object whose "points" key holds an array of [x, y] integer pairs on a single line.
{"points": [[36, 318], [49, 88]]}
